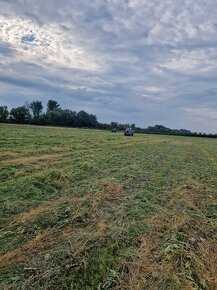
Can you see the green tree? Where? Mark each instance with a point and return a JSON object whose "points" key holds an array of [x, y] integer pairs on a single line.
{"points": [[86, 120], [133, 126], [114, 125], [4, 114], [61, 117], [20, 115], [52, 105], [36, 107]]}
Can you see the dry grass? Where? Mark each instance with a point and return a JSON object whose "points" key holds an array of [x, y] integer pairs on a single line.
{"points": [[47, 240], [113, 190], [179, 252], [10, 154], [33, 213], [92, 218], [25, 252], [31, 160], [102, 225], [57, 149], [178, 142], [51, 236]]}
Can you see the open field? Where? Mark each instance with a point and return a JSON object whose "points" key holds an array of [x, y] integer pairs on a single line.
{"points": [[88, 209]]}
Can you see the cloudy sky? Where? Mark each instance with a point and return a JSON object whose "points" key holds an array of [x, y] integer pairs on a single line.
{"points": [[137, 61]]}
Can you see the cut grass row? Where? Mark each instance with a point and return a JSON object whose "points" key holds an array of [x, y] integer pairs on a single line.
{"points": [[108, 212]]}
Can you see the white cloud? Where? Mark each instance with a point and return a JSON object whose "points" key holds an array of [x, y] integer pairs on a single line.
{"points": [[153, 90], [202, 113], [47, 45], [201, 118], [201, 60]]}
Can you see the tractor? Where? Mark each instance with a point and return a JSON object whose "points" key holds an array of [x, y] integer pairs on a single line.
{"points": [[128, 132]]}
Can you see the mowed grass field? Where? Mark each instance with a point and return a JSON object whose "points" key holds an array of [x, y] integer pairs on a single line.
{"points": [[88, 209]]}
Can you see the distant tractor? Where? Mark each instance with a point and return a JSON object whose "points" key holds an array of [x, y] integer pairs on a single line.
{"points": [[128, 132]]}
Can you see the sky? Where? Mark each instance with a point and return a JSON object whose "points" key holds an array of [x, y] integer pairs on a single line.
{"points": [[132, 61]]}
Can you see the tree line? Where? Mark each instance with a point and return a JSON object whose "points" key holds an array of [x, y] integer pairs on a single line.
{"points": [[56, 116], [161, 130]]}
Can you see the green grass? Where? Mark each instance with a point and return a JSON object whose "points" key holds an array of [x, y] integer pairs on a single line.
{"points": [[88, 209]]}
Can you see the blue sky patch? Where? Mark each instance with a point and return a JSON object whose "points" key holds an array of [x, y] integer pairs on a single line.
{"points": [[28, 39]]}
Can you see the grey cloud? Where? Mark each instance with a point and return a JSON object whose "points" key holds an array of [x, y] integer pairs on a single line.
{"points": [[6, 49], [26, 83], [108, 56]]}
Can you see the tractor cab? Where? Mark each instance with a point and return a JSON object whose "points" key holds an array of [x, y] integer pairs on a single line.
{"points": [[128, 132]]}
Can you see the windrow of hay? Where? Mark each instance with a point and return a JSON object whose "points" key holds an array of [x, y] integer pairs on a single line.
{"points": [[31, 160], [180, 251], [86, 212], [33, 213], [35, 247], [179, 142], [57, 149], [9, 154], [111, 192]]}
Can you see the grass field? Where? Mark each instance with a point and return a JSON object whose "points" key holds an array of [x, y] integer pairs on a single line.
{"points": [[88, 209]]}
